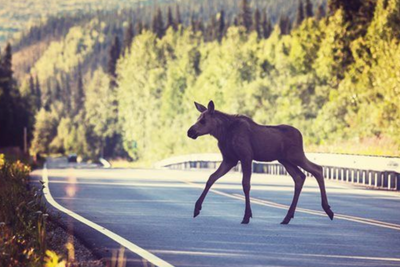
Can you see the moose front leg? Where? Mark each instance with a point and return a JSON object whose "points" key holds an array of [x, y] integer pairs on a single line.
{"points": [[221, 171], [246, 168]]}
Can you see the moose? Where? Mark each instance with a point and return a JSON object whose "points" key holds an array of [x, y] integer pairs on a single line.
{"points": [[241, 139]]}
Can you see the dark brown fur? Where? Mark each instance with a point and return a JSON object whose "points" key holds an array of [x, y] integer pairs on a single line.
{"points": [[241, 139]]}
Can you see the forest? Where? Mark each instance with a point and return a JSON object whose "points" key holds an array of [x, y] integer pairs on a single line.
{"points": [[122, 84]]}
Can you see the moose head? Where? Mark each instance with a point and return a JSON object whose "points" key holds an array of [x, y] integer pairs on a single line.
{"points": [[206, 122]]}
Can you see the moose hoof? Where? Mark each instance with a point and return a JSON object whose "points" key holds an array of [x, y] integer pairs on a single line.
{"points": [[286, 220], [330, 214], [246, 221], [196, 213]]}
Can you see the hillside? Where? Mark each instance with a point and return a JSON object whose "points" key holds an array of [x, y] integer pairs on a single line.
{"points": [[17, 16], [94, 78]]}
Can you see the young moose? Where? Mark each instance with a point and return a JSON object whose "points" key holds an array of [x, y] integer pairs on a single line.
{"points": [[241, 139]]}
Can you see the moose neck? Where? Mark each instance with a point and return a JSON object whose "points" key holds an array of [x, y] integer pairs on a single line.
{"points": [[224, 121]]}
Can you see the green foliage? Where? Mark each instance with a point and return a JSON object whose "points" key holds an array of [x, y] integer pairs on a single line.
{"points": [[334, 77], [45, 131], [331, 83]]}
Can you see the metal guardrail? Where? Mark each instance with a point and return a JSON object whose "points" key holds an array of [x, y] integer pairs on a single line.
{"points": [[370, 171]]}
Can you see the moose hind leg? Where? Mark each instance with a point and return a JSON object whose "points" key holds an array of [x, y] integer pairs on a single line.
{"points": [[246, 167], [316, 171], [298, 178]]}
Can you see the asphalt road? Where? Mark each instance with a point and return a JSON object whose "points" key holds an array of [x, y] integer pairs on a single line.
{"points": [[153, 209]]}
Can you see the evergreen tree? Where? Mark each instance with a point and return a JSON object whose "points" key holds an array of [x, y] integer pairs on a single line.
{"points": [[170, 20], [128, 37], [221, 25], [158, 24], [178, 16], [200, 25], [6, 107], [257, 23], [193, 23], [308, 9], [266, 26], [38, 92], [350, 7], [299, 14], [66, 92], [32, 89], [139, 27], [115, 51], [78, 94], [57, 92], [246, 15], [284, 24], [13, 109], [236, 21], [320, 12], [212, 30]]}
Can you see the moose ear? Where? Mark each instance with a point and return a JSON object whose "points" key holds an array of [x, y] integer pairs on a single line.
{"points": [[211, 107], [200, 107]]}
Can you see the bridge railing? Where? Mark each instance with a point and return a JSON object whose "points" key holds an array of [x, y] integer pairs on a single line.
{"points": [[370, 171]]}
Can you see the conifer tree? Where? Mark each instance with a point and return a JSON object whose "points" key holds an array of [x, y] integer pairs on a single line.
{"points": [[221, 25], [66, 92], [284, 24], [170, 20], [308, 9], [178, 16], [257, 23], [320, 12], [236, 21], [38, 92], [115, 51], [78, 95], [139, 27], [200, 25], [128, 37], [13, 112], [158, 24], [32, 85], [299, 14], [212, 30], [57, 92], [350, 7], [246, 15], [266, 26], [193, 23], [6, 71]]}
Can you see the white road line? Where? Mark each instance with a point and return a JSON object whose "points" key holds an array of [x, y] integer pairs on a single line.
{"points": [[119, 239]]}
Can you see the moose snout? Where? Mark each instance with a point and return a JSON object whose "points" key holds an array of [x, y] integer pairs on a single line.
{"points": [[192, 133]]}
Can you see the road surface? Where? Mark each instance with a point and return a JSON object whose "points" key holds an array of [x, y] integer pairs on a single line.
{"points": [[153, 209]]}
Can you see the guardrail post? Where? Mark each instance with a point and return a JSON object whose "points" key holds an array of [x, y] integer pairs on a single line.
{"points": [[391, 180], [397, 181], [385, 179], [378, 179]]}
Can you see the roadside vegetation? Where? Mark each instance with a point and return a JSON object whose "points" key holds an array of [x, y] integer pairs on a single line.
{"points": [[22, 217], [122, 84], [28, 234]]}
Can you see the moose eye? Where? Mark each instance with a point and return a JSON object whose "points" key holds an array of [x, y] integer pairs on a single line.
{"points": [[202, 121]]}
